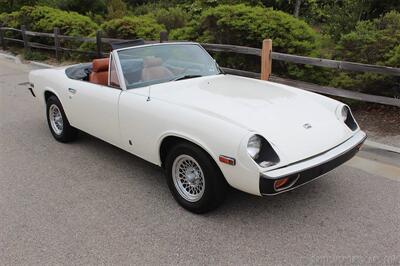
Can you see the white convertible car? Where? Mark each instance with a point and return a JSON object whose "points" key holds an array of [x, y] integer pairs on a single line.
{"points": [[171, 105]]}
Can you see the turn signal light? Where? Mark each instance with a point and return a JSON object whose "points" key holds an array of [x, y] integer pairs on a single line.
{"points": [[280, 183], [227, 160]]}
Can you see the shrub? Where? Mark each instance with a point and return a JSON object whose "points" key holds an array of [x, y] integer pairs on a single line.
{"points": [[372, 42], [116, 9], [187, 33], [249, 25], [171, 18], [83, 6], [145, 27], [35, 56], [10, 19], [44, 19]]}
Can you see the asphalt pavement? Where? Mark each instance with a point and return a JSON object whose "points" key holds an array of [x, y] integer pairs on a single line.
{"points": [[91, 203]]}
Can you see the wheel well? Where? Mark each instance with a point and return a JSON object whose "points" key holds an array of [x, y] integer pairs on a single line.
{"points": [[166, 145], [47, 95], [170, 142]]}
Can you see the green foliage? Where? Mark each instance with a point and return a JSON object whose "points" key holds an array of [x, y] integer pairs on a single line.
{"points": [[340, 17], [247, 25], [83, 6], [372, 42], [35, 56], [10, 19], [44, 19], [145, 27], [366, 31], [171, 18], [393, 57], [116, 9], [13, 5], [188, 33]]}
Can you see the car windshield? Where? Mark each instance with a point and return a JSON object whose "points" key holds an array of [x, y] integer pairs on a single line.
{"points": [[154, 64]]}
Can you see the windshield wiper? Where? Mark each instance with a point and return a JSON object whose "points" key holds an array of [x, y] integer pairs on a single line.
{"points": [[187, 77]]}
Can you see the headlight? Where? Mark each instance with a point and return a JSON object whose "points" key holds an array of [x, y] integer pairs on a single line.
{"points": [[261, 151], [254, 146], [343, 113]]}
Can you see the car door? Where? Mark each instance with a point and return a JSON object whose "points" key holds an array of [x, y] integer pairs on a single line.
{"points": [[93, 108], [136, 122]]}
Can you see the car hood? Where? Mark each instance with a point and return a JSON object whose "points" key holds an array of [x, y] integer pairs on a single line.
{"points": [[296, 123]]}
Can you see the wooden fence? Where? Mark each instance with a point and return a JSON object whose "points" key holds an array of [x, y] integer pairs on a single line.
{"points": [[266, 54]]}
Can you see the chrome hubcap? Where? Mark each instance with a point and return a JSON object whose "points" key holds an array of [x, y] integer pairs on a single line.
{"points": [[56, 120], [188, 178]]}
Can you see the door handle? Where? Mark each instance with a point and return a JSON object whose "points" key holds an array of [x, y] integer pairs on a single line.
{"points": [[71, 90]]}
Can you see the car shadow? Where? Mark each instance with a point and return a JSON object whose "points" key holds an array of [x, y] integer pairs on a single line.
{"points": [[237, 203]]}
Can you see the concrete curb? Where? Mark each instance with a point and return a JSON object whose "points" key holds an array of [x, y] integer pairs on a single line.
{"points": [[8, 56], [380, 146], [41, 64], [18, 61]]}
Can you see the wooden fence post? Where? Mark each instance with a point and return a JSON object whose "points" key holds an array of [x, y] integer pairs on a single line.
{"points": [[3, 42], [99, 49], [57, 43], [163, 36], [266, 59], [25, 39]]}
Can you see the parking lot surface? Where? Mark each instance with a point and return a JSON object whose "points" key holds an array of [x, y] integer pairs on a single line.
{"points": [[90, 203]]}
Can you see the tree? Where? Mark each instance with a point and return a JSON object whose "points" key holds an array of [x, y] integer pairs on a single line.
{"points": [[372, 42], [12, 5], [116, 9], [297, 8], [145, 27], [83, 6]]}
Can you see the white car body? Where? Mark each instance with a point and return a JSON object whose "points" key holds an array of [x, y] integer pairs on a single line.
{"points": [[218, 113]]}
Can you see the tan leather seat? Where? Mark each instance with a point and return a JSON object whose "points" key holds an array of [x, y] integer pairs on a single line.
{"points": [[99, 73], [153, 69]]}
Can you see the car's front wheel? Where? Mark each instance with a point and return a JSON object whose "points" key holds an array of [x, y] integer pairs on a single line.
{"points": [[194, 179], [58, 122]]}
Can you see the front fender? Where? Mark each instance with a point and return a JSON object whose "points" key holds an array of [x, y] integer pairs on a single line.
{"points": [[243, 176]]}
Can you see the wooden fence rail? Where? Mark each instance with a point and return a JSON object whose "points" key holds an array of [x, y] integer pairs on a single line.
{"points": [[266, 54], [297, 59]]}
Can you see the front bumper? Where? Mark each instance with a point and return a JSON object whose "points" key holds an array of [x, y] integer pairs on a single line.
{"points": [[307, 170]]}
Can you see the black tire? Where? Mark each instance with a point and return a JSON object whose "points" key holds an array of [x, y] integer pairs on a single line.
{"points": [[215, 183], [68, 132]]}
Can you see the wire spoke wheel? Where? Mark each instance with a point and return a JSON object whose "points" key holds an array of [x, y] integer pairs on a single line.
{"points": [[56, 120], [188, 178]]}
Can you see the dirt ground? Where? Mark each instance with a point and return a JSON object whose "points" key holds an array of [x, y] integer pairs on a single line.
{"points": [[378, 118], [382, 123]]}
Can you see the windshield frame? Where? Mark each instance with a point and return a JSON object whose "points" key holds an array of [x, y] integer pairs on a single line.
{"points": [[115, 54]]}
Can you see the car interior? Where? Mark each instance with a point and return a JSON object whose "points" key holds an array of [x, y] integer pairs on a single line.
{"points": [[138, 71], [135, 70], [99, 73]]}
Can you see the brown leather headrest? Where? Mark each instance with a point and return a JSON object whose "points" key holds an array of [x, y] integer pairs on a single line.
{"points": [[152, 61], [100, 65]]}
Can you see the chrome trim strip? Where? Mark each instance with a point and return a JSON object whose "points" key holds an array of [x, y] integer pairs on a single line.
{"points": [[154, 44], [120, 74], [357, 139]]}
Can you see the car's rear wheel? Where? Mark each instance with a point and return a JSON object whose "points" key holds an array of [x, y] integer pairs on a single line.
{"points": [[194, 179], [58, 122]]}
